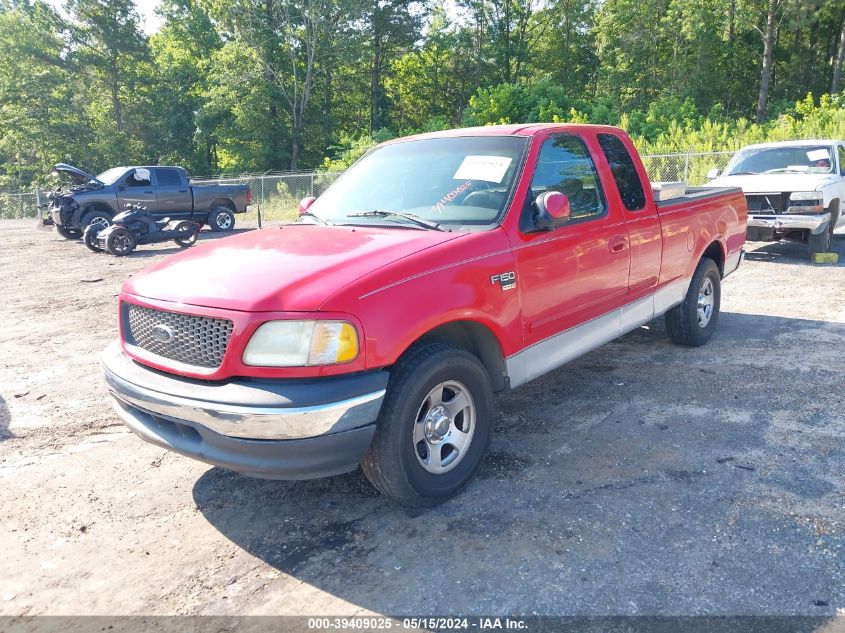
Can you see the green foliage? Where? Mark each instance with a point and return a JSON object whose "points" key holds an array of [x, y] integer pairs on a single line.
{"points": [[257, 85]]}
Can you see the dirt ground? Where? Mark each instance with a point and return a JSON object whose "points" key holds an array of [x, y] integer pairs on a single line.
{"points": [[642, 478]]}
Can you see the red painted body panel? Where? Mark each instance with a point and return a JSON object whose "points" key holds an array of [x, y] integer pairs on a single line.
{"points": [[397, 284]]}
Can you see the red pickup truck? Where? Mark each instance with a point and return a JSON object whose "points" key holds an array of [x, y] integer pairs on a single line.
{"points": [[438, 270]]}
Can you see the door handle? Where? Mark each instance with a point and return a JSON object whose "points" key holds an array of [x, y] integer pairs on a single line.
{"points": [[617, 244], [183, 191], [149, 192]]}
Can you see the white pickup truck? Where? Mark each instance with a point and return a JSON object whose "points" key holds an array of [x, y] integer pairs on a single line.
{"points": [[794, 189]]}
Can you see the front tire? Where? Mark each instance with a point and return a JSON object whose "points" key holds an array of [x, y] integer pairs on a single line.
{"points": [[221, 219], [434, 427], [97, 217], [120, 242], [820, 243], [693, 322], [68, 234]]}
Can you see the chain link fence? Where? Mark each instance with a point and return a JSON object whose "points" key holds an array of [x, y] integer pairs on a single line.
{"points": [[690, 168], [18, 205], [276, 195]]}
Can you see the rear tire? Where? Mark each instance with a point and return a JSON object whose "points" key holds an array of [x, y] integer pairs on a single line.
{"points": [[693, 322], [68, 234], [89, 237], [191, 239], [221, 219], [439, 398], [120, 242]]}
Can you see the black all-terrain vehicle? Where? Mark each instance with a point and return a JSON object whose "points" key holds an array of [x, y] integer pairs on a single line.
{"points": [[136, 226]]}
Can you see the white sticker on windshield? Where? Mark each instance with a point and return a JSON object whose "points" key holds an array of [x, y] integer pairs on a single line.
{"points": [[818, 154], [489, 168]]}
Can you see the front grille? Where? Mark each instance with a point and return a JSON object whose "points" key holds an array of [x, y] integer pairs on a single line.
{"points": [[186, 338], [767, 203]]}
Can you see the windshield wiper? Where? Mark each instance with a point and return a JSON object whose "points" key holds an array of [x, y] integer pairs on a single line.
{"points": [[743, 173], [322, 221], [415, 219]]}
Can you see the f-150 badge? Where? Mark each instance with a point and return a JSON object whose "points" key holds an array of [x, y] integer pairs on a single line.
{"points": [[506, 280]]}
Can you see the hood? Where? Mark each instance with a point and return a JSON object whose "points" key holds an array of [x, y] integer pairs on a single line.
{"points": [[76, 175], [291, 268], [770, 183]]}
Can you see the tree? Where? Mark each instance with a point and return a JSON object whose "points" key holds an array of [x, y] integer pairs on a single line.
{"points": [[109, 41], [390, 27]]}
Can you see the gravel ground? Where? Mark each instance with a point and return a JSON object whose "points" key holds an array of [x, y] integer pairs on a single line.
{"points": [[642, 478]]}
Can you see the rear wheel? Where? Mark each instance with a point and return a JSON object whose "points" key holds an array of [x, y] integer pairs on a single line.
{"points": [[120, 242], [693, 322], [190, 231], [434, 427], [89, 237], [221, 219], [68, 234]]}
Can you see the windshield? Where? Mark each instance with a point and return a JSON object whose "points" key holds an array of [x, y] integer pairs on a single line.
{"points": [[815, 159], [110, 175], [459, 180]]}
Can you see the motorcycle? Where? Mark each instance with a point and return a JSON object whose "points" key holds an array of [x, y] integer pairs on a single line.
{"points": [[134, 226]]}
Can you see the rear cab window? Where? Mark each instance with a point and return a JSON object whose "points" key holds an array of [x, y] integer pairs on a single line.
{"points": [[168, 177], [625, 174]]}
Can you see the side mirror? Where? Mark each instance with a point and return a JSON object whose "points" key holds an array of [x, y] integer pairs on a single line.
{"points": [[713, 173], [552, 209], [305, 204]]}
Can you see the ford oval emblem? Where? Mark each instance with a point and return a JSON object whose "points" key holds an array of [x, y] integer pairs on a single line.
{"points": [[162, 333]]}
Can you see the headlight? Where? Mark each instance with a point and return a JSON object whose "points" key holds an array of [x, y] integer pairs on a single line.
{"points": [[806, 195], [301, 343], [806, 203]]}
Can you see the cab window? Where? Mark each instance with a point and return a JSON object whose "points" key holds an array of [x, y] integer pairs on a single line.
{"points": [[841, 152], [168, 178], [624, 172], [139, 178], [565, 165]]}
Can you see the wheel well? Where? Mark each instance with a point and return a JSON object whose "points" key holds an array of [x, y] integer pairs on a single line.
{"points": [[478, 340], [714, 252], [223, 202], [95, 206], [834, 211]]}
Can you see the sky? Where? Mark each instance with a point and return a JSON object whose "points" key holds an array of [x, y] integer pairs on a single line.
{"points": [[150, 22]]}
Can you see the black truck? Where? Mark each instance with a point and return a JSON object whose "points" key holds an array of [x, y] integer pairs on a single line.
{"points": [[164, 191]]}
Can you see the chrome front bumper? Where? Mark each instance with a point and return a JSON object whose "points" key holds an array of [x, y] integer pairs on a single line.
{"points": [[286, 429], [813, 223], [265, 410]]}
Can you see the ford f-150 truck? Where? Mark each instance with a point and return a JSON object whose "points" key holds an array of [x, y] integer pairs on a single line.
{"points": [[794, 189], [438, 270], [164, 191]]}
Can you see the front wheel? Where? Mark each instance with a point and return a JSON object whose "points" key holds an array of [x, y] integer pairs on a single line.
{"points": [[693, 322], [820, 243], [434, 427], [221, 219], [190, 232], [68, 234], [120, 242]]}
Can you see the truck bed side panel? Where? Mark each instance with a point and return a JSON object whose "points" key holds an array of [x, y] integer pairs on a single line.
{"points": [[691, 223]]}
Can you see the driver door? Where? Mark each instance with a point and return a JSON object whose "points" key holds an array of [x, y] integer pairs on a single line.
{"points": [[137, 187]]}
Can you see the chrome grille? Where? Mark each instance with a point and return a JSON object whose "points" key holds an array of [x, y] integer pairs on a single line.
{"points": [[186, 338]]}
